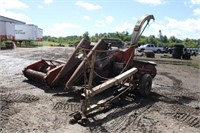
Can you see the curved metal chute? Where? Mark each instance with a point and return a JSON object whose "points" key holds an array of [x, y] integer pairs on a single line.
{"points": [[137, 31]]}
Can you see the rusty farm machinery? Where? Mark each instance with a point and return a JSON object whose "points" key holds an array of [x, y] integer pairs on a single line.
{"points": [[96, 68]]}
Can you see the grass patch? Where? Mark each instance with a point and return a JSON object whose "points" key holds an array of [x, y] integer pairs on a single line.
{"points": [[195, 64], [3, 44], [35, 44], [47, 43]]}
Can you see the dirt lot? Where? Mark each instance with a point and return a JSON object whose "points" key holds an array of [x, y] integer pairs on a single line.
{"points": [[173, 106]]}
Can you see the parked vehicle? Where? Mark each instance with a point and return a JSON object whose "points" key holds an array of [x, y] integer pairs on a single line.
{"points": [[7, 31], [193, 51], [151, 47], [26, 32], [169, 50], [177, 51], [180, 52]]}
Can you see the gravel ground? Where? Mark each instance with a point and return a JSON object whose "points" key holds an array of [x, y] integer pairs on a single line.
{"points": [[173, 106]]}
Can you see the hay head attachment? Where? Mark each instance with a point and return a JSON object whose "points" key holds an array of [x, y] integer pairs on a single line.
{"points": [[96, 69]]}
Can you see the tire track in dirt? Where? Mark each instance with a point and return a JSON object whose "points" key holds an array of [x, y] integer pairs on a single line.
{"points": [[182, 113], [136, 119], [7, 102], [4, 89], [120, 117], [177, 84], [187, 119], [41, 118], [178, 92], [109, 123], [118, 122], [179, 97], [23, 121], [6, 111], [186, 115], [17, 97], [67, 106]]}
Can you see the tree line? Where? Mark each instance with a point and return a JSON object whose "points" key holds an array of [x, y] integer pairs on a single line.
{"points": [[162, 40]]}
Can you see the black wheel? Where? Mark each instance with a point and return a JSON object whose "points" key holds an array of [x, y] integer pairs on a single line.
{"points": [[142, 50], [158, 51], [150, 54], [145, 85]]}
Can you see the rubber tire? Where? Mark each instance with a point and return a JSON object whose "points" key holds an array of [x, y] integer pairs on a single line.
{"points": [[145, 85], [158, 51], [150, 54], [142, 50]]}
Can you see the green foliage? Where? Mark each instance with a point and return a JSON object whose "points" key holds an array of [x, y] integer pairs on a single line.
{"points": [[123, 36], [190, 43], [165, 39], [86, 35], [69, 40]]}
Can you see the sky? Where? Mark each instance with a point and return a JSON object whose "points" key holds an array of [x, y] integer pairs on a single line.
{"points": [[61, 18]]}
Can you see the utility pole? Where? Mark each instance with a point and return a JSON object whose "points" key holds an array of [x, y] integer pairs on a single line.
{"points": [[0, 43], [161, 37], [199, 45]]}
